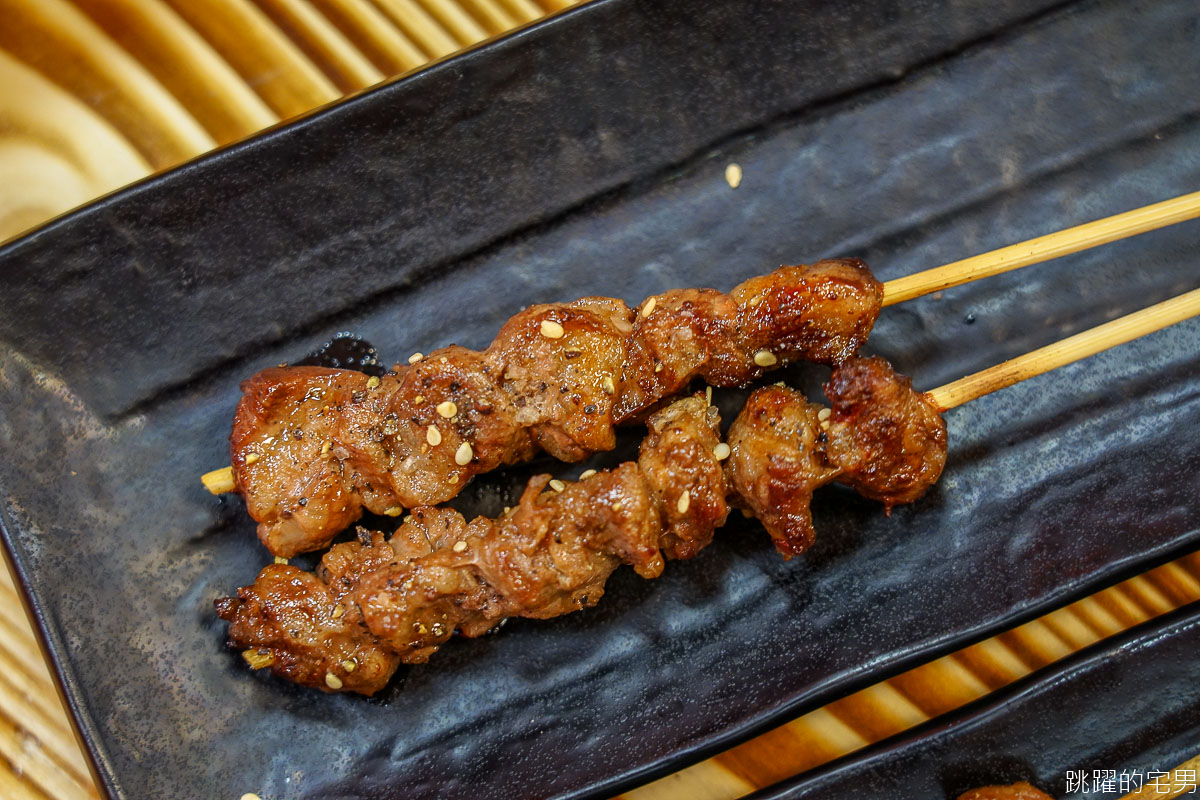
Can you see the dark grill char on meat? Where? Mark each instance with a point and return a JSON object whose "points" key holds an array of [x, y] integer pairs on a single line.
{"points": [[375, 603], [880, 437], [311, 447]]}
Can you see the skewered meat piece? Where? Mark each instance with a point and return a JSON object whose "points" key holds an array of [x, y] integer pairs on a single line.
{"points": [[376, 603], [311, 447], [879, 437], [888, 441], [1017, 791]]}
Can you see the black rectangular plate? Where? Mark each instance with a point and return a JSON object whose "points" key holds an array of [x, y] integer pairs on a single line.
{"points": [[1130, 704], [586, 156]]}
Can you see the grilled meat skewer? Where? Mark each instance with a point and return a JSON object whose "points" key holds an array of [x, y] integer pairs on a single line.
{"points": [[311, 447], [375, 603], [879, 437]]}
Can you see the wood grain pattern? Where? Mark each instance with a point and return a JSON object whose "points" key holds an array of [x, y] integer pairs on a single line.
{"points": [[62, 43], [95, 94], [55, 151], [185, 64]]}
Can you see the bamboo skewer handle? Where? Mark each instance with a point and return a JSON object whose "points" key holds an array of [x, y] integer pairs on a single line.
{"points": [[1044, 248], [1067, 351], [219, 481], [1023, 254], [956, 393]]}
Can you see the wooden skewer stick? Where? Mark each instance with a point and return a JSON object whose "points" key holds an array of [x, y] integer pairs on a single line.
{"points": [[1071, 349], [1043, 248], [1024, 254], [954, 394], [219, 481]]}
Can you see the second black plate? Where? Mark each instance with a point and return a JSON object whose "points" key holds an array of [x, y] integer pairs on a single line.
{"points": [[1115, 717]]}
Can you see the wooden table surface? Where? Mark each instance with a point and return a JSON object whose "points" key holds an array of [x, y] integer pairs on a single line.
{"points": [[97, 93]]}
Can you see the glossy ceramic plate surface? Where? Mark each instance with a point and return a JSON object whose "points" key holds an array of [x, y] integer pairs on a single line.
{"points": [[587, 156], [1129, 706]]}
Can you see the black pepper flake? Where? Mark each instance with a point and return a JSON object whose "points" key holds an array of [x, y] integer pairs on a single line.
{"points": [[303, 501], [359, 396], [823, 437], [590, 408]]}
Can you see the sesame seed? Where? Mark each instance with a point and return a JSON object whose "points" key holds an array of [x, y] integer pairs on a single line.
{"points": [[393, 511], [609, 386], [280, 560], [250, 796], [433, 436], [587, 473], [459, 546], [507, 509], [551, 329], [447, 409], [824, 414], [733, 175], [825, 425], [257, 659], [373, 382], [333, 681], [708, 394], [421, 628], [350, 665], [464, 454], [765, 358], [658, 367], [453, 479], [325, 448], [721, 451], [251, 458], [557, 485], [338, 611], [648, 309], [415, 357], [617, 505], [685, 500], [418, 400]]}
